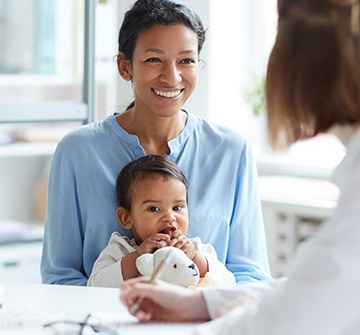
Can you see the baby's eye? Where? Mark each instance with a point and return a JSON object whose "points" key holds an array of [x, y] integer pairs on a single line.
{"points": [[153, 60], [178, 208], [153, 209]]}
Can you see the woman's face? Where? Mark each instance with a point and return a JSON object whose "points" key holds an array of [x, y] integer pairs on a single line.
{"points": [[164, 68]]}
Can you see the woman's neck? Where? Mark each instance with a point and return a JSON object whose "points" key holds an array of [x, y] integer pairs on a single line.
{"points": [[153, 132]]}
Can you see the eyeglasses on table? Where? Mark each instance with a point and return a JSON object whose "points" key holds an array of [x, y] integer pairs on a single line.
{"points": [[87, 327]]}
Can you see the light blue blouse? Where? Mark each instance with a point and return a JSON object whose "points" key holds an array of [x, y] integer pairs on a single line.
{"points": [[224, 205]]}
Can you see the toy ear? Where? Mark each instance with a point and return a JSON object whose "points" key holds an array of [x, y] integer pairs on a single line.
{"points": [[145, 264]]}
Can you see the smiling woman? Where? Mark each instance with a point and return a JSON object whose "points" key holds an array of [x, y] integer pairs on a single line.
{"points": [[159, 48], [164, 76]]}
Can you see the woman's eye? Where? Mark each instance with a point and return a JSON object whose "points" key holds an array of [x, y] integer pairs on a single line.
{"points": [[153, 209], [187, 61], [153, 60]]}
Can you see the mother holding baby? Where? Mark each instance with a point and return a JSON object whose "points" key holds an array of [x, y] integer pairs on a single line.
{"points": [[158, 52]]}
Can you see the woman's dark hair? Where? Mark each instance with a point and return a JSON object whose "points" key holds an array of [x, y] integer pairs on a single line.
{"points": [[146, 13], [145, 167]]}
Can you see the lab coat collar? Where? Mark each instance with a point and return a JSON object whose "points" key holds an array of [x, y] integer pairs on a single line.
{"points": [[351, 158]]}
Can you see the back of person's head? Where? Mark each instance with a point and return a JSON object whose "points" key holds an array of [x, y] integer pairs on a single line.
{"points": [[144, 168], [146, 13], [313, 75]]}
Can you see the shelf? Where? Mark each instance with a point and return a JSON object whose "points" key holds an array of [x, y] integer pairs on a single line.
{"points": [[27, 149], [15, 232], [313, 158], [301, 192]]}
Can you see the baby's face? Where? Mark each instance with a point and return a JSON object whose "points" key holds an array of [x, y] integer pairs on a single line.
{"points": [[158, 205]]}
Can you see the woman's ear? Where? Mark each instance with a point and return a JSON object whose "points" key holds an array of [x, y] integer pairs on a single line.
{"points": [[124, 218], [124, 66]]}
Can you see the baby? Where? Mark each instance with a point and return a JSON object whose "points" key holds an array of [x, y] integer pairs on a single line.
{"points": [[152, 197]]}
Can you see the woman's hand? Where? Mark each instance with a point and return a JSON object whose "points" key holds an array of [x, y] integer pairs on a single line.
{"points": [[163, 301]]}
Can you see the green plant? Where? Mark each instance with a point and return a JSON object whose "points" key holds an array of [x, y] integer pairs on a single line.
{"points": [[254, 95]]}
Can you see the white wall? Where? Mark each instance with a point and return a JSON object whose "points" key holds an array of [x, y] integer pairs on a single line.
{"points": [[242, 35]]}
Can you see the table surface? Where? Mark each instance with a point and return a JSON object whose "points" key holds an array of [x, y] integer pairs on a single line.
{"points": [[26, 307]]}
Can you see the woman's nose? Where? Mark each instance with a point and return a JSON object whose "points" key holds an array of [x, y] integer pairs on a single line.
{"points": [[171, 75]]}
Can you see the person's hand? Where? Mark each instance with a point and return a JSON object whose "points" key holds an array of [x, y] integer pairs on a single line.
{"points": [[152, 243], [163, 301], [178, 240]]}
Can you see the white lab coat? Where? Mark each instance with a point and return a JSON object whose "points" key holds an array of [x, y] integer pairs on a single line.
{"points": [[322, 293]]}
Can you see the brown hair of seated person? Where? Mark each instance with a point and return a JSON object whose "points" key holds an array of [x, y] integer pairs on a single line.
{"points": [[327, 32]]}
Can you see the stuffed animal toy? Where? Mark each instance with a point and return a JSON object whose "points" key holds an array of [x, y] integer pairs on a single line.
{"points": [[180, 270]]}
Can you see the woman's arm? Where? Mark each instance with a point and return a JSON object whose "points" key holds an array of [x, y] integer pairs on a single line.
{"points": [[164, 302], [62, 257], [247, 253]]}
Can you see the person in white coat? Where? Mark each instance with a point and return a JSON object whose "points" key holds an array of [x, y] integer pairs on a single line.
{"points": [[312, 86]]}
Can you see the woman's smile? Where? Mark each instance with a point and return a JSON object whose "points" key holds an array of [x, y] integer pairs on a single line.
{"points": [[168, 94]]}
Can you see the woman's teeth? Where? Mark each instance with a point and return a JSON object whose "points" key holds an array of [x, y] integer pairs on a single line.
{"points": [[168, 94]]}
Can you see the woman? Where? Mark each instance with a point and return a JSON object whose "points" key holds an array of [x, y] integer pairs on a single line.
{"points": [[313, 86], [159, 46]]}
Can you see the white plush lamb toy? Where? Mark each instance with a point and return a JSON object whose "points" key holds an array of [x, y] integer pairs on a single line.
{"points": [[179, 270]]}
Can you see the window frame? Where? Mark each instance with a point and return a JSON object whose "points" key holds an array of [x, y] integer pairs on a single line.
{"points": [[63, 111]]}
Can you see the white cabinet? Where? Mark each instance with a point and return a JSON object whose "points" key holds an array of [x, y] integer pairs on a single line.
{"points": [[23, 176], [20, 263], [23, 179], [293, 209]]}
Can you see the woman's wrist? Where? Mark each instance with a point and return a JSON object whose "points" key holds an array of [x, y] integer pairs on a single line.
{"points": [[195, 308]]}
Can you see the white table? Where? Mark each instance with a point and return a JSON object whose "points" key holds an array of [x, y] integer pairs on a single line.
{"points": [[27, 307]]}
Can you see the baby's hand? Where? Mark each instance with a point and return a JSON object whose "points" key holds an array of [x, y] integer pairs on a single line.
{"points": [[164, 243], [182, 242], [152, 243]]}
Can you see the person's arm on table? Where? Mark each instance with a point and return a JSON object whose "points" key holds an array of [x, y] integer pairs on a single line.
{"points": [[164, 302], [167, 302]]}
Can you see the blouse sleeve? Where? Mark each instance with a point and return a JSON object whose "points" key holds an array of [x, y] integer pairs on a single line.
{"points": [[60, 264], [247, 252]]}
